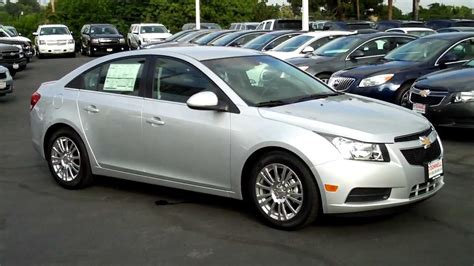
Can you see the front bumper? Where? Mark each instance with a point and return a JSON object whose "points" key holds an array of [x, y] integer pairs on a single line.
{"points": [[407, 183], [8, 89], [57, 49], [109, 48], [14, 65]]}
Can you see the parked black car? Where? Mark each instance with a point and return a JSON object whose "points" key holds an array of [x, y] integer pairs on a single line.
{"points": [[28, 51], [390, 80], [238, 39], [446, 97], [12, 58], [447, 23], [350, 51], [456, 29], [348, 25], [390, 24], [101, 38], [270, 40], [205, 25]]}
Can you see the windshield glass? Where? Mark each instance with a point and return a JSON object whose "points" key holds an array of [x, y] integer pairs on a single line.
{"points": [[420, 33], [259, 41], [226, 39], [211, 36], [470, 63], [264, 79], [12, 31], [103, 29], [337, 46], [54, 31], [292, 44], [418, 50], [153, 29]]}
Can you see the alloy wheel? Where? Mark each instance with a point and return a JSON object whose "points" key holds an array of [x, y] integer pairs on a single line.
{"points": [[279, 192], [65, 159]]}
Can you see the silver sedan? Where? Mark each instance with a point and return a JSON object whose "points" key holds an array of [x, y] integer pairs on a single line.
{"points": [[235, 123]]}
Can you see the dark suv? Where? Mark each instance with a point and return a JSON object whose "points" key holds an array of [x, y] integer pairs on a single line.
{"points": [[101, 38], [12, 57]]}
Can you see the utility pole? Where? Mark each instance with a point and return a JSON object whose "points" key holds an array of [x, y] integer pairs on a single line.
{"points": [[390, 9], [198, 15], [358, 8], [305, 16], [53, 6], [416, 9]]}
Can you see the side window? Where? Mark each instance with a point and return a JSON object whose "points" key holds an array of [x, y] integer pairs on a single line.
{"points": [[268, 26], [464, 50], [376, 47], [318, 43], [396, 42], [118, 77], [3, 34], [176, 81]]}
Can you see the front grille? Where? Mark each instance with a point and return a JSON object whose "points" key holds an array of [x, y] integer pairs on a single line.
{"points": [[340, 83], [10, 55], [415, 136], [104, 40], [431, 98], [423, 188], [420, 156], [3, 75], [58, 42], [368, 194]]}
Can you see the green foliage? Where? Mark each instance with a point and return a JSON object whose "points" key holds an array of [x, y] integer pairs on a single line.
{"points": [[441, 11]]}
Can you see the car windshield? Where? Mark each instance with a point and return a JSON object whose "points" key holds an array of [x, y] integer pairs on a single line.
{"points": [[103, 29], [12, 31], [259, 41], [337, 46], [179, 35], [292, 44], [223, 41], [470, 63], [267, 81], [153, 29], [209, 37], [420, 50], [53, 31], [251, 26], [420, 33]]}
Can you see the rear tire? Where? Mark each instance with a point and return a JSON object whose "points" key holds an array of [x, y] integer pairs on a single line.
{"points": [[68, 160], [282, 191]]}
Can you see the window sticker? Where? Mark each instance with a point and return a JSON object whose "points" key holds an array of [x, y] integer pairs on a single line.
{"points": [[121, 77]]}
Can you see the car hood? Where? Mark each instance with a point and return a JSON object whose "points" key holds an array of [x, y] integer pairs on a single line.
{"points": [[55, 37], [384, 67], [155, 35], [350, 116], [452, 80], [310, 61], [17, 38]]}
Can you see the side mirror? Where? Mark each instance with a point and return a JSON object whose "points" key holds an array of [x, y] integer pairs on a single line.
{"points": [[35, 33], [19, 34], [307, 50], [169, 31], [356, 54], [449, 57], [205, 100]]}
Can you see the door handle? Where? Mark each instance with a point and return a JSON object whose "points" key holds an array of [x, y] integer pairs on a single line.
{"points": [[91, 109], [155, 121]]}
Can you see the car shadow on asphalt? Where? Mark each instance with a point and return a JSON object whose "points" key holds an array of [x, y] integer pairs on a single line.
{"points": [[164, 196], [456, 134]]}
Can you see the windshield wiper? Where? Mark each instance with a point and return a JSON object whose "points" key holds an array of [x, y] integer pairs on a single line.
{"points": [[315, 96], [272, 103]]}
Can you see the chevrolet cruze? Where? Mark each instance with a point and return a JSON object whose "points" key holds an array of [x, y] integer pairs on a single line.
{"points": [[235, 123]]}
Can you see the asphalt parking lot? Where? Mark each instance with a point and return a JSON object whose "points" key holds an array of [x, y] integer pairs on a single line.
{"points": [[126, 223]]}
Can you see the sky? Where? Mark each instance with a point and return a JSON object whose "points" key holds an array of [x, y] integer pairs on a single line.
{"points": [[405, 5]]}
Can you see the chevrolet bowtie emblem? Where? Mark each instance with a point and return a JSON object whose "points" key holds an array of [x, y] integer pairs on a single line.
{"points": [[425, 141], [425, 93]]}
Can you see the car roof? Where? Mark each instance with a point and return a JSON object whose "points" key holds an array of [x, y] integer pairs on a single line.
{"points": [[149, 24], [327, 33], [52, 25], [202, 53], [411, 29], [378, 34], [100, 24], [455, 36]]}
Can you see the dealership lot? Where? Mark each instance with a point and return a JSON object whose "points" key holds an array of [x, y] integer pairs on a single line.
{"points": [[120, 222]]}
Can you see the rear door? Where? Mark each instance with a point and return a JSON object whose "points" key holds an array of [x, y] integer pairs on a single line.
{"points": [[110, 106]]}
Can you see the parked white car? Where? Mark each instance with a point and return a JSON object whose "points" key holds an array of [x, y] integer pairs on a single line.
{"points": [[420, 32], [54, 39], [304, 44], [141, 34], [6, 34]]}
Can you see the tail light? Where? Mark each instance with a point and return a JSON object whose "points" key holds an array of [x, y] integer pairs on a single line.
{"points": [[35, 97]]}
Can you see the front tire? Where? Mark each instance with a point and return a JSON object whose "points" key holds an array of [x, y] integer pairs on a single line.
{"points": [[68, 160], [283, 192], [403, 95]]}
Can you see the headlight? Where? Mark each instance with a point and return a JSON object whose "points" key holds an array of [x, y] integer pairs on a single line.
{"points": [[70, 41], [355, 150], [464, 96], [94, 40], [303, 67], [122, 40], [375, 80], [42, 42]]}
